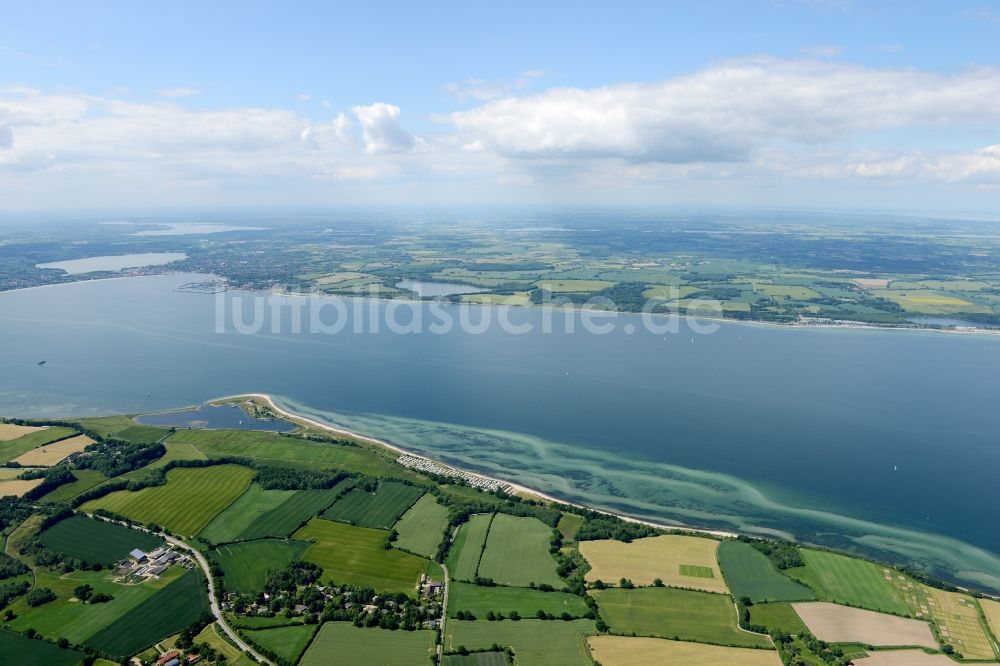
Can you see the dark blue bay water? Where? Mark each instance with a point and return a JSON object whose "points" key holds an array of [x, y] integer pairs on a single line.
{"points": [[881, 441]]}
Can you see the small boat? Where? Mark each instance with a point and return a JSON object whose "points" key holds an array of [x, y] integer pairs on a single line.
{"points": [[41, 363]]}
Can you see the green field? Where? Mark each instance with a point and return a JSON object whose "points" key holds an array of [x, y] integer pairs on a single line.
{"points": [[261, 622], [477, 659], [241, 514], [379, 509], [569, 525], [15, 448], [696, 571], [165, 613], [667, 612], [285, 518], [848, 580], [191, 497], [356, 556], [175, 451], [286, 642], [245, 564], [273, 447], [77, 621], [535, 642], [122, 427], [467, 549], [17, 649], [517, 553], [85, 480], [777, 616], [480, 600], [343, 644], [95, 541], [212, 636], [422, 527], [749, 573]]}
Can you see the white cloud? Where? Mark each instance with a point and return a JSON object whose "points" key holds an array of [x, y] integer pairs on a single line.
{"points": [[303, 97], [380, 129], [728, 111], [6, 137]]}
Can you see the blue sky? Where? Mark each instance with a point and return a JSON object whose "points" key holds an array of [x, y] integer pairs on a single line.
{"points": [[888, 105]]}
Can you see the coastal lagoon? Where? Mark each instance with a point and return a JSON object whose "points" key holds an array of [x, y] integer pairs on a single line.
{"points": [[114, 262], [881, 441]]}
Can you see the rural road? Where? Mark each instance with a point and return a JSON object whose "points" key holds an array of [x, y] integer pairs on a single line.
{"points": [[444, 610], [212, 600]]}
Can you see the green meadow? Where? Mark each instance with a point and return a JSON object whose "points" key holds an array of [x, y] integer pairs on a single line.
{"points": [[848, 580], [480, 600], [245, 564], [467, 549], [95, 541], [269, 447], [667, 612], [18, 649], [535, 642], [422, 527], [163, 614], [244, 512], [287, 642], [85, 480], [356, 556], [381, 508], [517, 553], [749, 573], [343, 644], [190, 498], [76, 621], [287, 517]]}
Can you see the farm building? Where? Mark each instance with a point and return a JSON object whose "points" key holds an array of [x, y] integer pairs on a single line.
{"points": [[137, 555]]}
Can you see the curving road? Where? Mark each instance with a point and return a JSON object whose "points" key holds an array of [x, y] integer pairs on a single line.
{"points": [[212, 600]]}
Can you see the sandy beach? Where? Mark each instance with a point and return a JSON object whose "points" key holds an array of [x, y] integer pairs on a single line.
{"points": [[524, 490]]}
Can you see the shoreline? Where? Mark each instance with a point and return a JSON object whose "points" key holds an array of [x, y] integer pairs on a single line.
{"points": [[525, 490], [843, 324], [517, 487]]}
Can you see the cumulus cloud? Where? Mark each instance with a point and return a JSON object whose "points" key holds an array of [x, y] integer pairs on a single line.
{"points": [[728, 111], [380, 129]]}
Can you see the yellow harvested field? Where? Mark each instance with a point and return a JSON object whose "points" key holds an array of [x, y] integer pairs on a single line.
{"points": [[663, 557], [903, 658], [8, 473], [17, 487], [9, 431], [871, 282], [957, 619], [517, 298], [992, 611], [50, 454], [622, 651], [842, 624], [927, 301]]}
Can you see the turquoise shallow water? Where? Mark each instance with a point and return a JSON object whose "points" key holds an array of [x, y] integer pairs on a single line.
{"points": [[884, 441]]}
